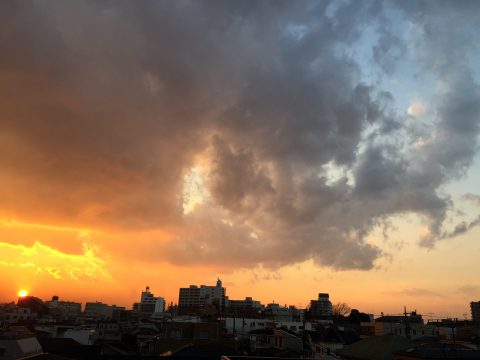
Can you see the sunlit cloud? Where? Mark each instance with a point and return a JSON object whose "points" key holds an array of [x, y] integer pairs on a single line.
{"points": [[417, 108], [40, 258], [194, 190]]}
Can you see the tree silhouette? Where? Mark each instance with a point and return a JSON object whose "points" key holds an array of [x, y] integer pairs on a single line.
{"points": [[340, 309]]}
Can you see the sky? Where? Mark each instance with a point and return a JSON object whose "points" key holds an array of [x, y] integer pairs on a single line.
{"points": [[289, 148]]}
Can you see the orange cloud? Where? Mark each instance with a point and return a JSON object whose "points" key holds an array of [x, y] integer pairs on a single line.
{"points": [[21, 224]]}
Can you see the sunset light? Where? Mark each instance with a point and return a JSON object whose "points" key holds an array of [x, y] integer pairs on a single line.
{"points": [[280, 156]]}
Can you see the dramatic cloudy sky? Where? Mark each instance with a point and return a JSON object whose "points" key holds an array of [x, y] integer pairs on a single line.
{"points": [[288, 147]]}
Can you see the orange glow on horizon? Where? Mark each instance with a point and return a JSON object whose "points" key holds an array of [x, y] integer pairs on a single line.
{"points": [[47, 260]]}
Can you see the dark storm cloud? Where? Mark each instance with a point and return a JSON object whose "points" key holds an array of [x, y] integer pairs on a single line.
{"points": [[105, 107], [237, 176]]}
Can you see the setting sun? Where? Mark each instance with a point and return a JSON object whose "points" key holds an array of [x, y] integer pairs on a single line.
{"points": [[22, 293]]}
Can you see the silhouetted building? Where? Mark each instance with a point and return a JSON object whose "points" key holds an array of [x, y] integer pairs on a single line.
{"points": [[410, 331], [247, 303], [189, 300], [149, 304], [410, 326], [12, 314], [63, 310], [321, 308], [193, 331], [98, 310], [275, 342], [283, 313], [475, 309], [327, 341], [247, 308], [192, 299], [412, 318]]}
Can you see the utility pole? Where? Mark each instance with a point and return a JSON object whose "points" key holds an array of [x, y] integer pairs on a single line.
{"points": [[407, 323]]}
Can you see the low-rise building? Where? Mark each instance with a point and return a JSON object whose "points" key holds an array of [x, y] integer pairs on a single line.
{"points": [[63, 310], [12, 314], [405, 329], [82, 336], [241, 326], [248, 307], [192, 331], [278, 339], [149, 304], [109, 330], [283, 313], [98, 310], [326, 343]]}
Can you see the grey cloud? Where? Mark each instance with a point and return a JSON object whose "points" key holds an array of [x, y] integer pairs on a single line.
{"points": [[273, 276], [417, 292], [472, 197], [236, 178], [108, 105], [469, 289], [388, 51], [461, 228]]}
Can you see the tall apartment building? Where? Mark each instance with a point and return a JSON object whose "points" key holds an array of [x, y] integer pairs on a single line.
{"points": [[321, 308], [192, 299], [475, 308]]}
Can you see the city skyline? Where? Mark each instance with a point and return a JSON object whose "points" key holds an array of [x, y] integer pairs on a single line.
{"points": [[429, 315], [287, 147]]}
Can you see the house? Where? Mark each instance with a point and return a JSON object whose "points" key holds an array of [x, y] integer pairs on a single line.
{"points": [[281, 339], [326, 343], [16, 344]]}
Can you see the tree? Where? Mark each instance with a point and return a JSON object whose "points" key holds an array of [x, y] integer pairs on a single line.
{"points": [[340, 309], [356, 317]]}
